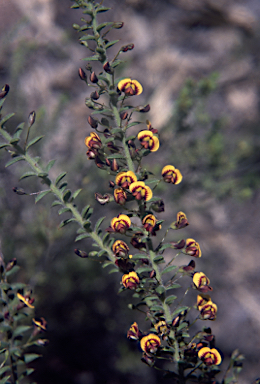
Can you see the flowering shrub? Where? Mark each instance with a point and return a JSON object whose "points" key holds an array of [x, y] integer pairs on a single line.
{"points": [[153, 279]]}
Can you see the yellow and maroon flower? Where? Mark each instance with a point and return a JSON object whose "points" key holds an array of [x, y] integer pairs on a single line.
{"points": [[181, 221], [208, 311], [150, 128], [124, 179], [40, 323], [149, 223], [141, 191], [201, 282], [120, 196], [93, 141], [130, 87], [26, 300], [209, 356], [149, 140], [120, 248], [171, 175], [120, 223], [150, 343], [161, 327], [137, 242], [192, 248], [130, 280], [202, 300], [134, 332]]}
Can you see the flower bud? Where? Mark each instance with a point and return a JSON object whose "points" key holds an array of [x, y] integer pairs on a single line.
{"points": [[107, 68], [11, 264], [19, 191], [89, 103], [158, 206], [111, 184], [94, 95], [114, 166], [118, 25], [92, 122], [93, 78], [145, 109], [123, 115], [31, 118], [4, 91], [82, 74], [102, 199], [80, 253], [127, 47]]}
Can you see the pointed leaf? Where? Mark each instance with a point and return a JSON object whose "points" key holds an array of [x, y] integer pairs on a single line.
{"points": [[98, 223], [63, 210], [159, 259], [33, 141], [4, 380], [87, 37], [170, 299], [60, 177], [169, 269], [14, 160], [41, 195], [91, 58], [76, 193], [65, 222], [165, 246], [3, 145], [50, 165], [6, 118], [103, 9], [179, 310], [56, 202], [21, 329], [173, 286], [28, 174], [18, 131], [66, 195], [144, 269], [103, 25], [82, 236], [4, 369], [14, 140], [133, 124], [29, 357], [139, 256]]}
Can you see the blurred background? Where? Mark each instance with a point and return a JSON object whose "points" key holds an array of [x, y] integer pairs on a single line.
{"points": [[199, 64]]}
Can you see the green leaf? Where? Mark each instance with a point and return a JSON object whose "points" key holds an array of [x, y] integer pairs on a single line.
{"points": [[56, 202], [66, 222], [18, 285], [182, 325], [82, 236], [104, 25], [169, 269], [4, 369], [139, 256], [116, 156], [156, 308], [42, 174], [14, 140], [103, 9], [85, 211], [133, 124], [87, 37], [12, 271], [179, 310], [159, 259], [66, 195], [165, 246], [111, 43], [116, 63], [21, 329], [144, 269], [106, 238], [133, 137], [60, 177], [14, 160], [173, 286], [160, 290], [3, 145], [27, 174], [29, 357], [50, 165], [88, 214], [113, 270], [41, 195], [170, 299], [6, 118], [18, 131], [33, 141], [63, 210], [91, 58], [76, 193], [4, 380], [98, 223]]}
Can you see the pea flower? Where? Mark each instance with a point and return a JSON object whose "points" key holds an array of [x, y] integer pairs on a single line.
{"points": [[130, 280], [120, 223], [124, 179], [130, 87], [192, 248], [181, 221], [93, 141], [120, 248], [171, 175], [161, 327], [148, 140], [134, 332], [201, 282], [26, 300], [149, 223], [150, 343], [120, 196], [141, 191], [209, 356]]}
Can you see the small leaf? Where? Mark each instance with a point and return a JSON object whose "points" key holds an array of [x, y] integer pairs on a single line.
{"points": [[89, 214], [6, 118], [91, 58], [27, 174], [116, 63], [116, 156], [4, 380], [85, 211], [50, 165], [103, 9], [156, 308], [169, 269], [41, 195], [170, 299], [160, 290], [139, 256], [133, 137], [14, 160], [173, 286], [65, 222], [133, 124], [42, 174], [98, 223], [63, 210], [179, 310], [159, 259], [21, 329], [4, 369], [33, 141], [82, 236], [144, 269], [106, 238], [66, 195], [111, 43], [60, 177], [18, 131], [56, 202], [113, 270], [3, 145], [103, 25], [29, 357], [165, 246], [14, 140], [76, 193], [12, 271], [87, 37]]}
